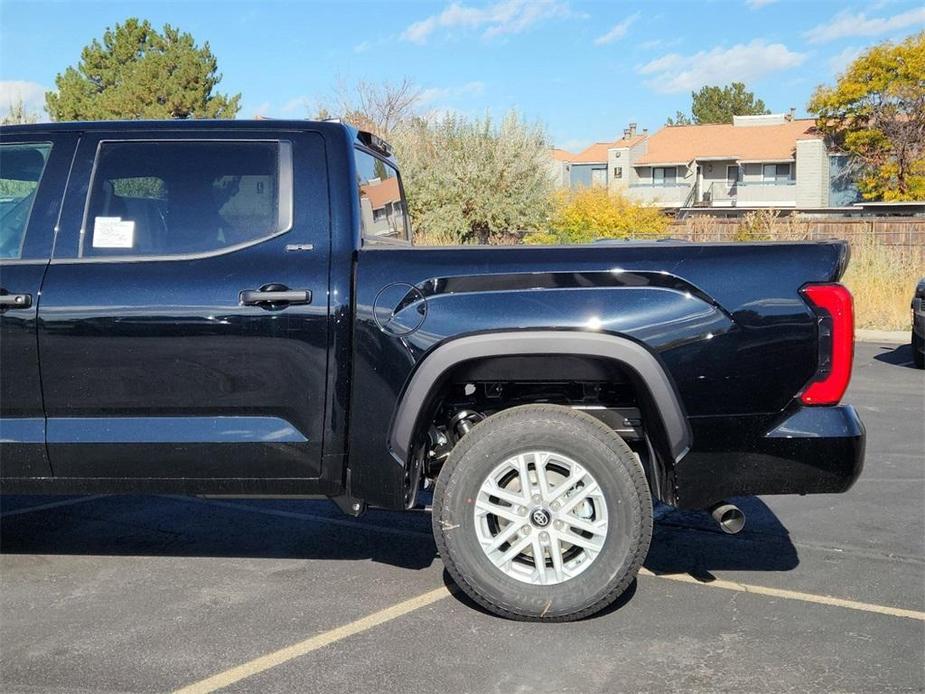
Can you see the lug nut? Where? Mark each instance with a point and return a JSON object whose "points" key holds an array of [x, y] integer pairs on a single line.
{"points": [[525, 530], [544, 537]]}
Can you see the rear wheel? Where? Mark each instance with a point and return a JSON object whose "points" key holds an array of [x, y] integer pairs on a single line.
{"points": [[542, 513], [918, 358]]}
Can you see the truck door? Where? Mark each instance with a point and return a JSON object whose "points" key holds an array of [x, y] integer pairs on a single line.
{"points": [[184, 319], [33, 170]]}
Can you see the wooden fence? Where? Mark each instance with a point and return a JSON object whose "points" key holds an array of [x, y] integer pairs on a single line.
{"points": [[893, 231]]}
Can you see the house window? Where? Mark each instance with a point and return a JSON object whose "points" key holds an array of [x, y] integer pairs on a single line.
{"points": [[775, 173], [664, 175], [618, 172]]}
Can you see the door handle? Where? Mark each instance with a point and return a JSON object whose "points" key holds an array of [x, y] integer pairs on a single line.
{"points": [[274, 294], [15, 301]]}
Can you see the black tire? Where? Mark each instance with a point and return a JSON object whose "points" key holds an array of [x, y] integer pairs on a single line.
{"points": [[602, 453], [918, 358]]}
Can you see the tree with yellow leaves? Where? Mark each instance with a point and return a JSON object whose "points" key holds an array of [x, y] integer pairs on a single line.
{"points": [[588, 214], [876, 114]]}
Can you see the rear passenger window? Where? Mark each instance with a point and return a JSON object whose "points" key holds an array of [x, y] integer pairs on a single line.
{"points": [[21, 167], [174, 198]]}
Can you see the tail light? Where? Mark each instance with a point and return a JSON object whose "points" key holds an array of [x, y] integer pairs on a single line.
{"points": [[834, 308]]}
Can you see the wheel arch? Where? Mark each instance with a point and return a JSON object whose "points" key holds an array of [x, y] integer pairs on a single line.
{"points": [[672, 433]]}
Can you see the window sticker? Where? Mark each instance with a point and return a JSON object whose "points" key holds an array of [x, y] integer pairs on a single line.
{"points": [[112, 232]]}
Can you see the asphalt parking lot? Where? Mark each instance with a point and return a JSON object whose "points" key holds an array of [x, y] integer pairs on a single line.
{"points": [[148, 594]]}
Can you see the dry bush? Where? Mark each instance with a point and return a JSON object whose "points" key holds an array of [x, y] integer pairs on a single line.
{"points": [[771, 225], [698, 228], [882, 278], [436, 238]]}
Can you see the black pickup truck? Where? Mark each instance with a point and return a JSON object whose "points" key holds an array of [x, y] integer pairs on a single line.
{"points": [[236, 308]]}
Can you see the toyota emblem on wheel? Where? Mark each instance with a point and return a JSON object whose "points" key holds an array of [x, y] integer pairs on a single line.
{"points": [[540, 518]]}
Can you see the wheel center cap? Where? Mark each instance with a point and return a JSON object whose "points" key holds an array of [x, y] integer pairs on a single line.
{"points": [[540, 517]]}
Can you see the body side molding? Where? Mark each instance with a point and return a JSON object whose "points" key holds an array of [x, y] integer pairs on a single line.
{"points": [[644, 367]]}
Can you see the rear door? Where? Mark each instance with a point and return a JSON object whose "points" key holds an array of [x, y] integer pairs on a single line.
{"points": [[184, 318], [33, 171]]}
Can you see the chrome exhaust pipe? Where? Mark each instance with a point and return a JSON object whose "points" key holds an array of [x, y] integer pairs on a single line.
{"points": [[729, 517]]}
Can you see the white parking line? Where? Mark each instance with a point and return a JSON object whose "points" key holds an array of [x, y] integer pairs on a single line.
{"points": [[792, 595], [283, 655], [296, 650], [52, 504]]}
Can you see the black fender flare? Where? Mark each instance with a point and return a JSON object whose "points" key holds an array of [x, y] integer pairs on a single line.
{"points": [[642, 365]]}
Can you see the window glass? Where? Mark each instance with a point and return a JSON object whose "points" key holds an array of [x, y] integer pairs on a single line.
{"points": [[170, 198], [382, 207], [664, 175], [778, 173], [732, 175], [21, 167]]}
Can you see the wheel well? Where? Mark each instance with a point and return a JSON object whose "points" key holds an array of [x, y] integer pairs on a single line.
{"points": [[604, 388]]}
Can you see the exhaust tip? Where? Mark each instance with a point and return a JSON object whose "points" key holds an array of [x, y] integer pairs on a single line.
{"points": [[729, 517]]}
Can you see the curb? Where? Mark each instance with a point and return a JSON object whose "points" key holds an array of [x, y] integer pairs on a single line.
{"points": [[895, 337]]}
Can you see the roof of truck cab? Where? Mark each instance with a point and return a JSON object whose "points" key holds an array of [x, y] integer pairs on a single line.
{"points": [[135, 126], [177, 124]]}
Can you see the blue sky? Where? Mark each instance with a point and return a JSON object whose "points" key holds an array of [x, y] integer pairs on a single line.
{"points": [[583, 69]]}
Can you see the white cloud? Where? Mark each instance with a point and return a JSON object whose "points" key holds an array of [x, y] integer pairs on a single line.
{"points": [[299, 105], [847, 24], [758, 4], [31, 93], [499, 18], [434, 94], [661, 43], [617, 32], [840, 61], [744, 62], [362, 47]]}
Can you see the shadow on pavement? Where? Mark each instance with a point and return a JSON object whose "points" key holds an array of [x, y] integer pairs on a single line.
{"points": [[900, 355], [690, 542], [189, 527], [683, 541]]}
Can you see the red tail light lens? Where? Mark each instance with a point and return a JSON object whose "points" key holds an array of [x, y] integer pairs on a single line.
{"points": [[835, 308]]}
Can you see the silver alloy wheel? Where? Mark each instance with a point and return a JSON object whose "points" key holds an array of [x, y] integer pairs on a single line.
{"points": [[541, 518]]}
